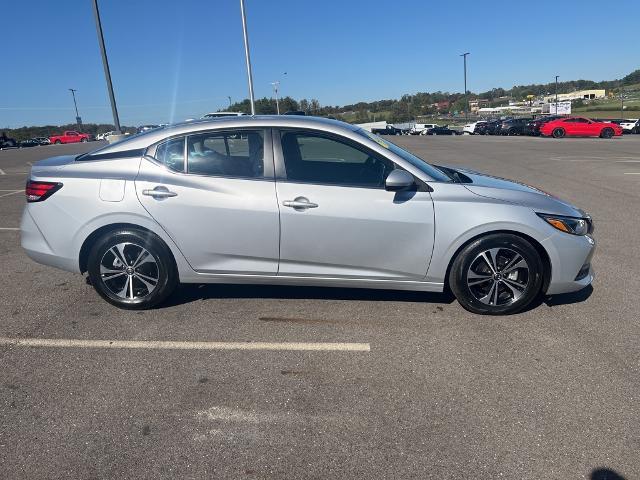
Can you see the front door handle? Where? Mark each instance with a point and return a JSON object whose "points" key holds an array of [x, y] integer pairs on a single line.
{"points": [[299, 203], [159, 192]]}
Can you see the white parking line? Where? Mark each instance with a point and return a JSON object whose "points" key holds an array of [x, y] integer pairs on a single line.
{"points": [[2, 172], [169, 345], [9, 228], [13, 192], [628, 161], [632, 173]]}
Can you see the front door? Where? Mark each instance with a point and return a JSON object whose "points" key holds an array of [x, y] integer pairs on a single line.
{"points": [[337, 220], [220, 205]]}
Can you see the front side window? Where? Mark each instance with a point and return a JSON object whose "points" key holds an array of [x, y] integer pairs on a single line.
{"points": [[227, 154], [314, 158], [171, 154]]}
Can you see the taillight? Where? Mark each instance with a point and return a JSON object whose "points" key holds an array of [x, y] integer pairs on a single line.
{"points": [[39, 191]]}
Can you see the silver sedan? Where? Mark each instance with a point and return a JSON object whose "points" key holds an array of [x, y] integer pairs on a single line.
{"points": [[297, 201]]}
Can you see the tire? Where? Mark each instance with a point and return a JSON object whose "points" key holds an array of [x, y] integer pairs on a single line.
{"points": [[517, 280], [113, 274], [607, 133], [57, 142], [558, 133], [84, 140]]}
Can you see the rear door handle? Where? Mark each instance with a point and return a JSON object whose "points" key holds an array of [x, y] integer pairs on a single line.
{"points": [[299, 203], [159, 192]]}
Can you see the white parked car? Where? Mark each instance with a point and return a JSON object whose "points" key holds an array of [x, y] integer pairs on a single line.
{"points": [[419, 128], [630, 125], [470, 128]]}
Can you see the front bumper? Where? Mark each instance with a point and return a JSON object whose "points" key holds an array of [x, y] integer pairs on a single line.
{"points": [[570, 257]]}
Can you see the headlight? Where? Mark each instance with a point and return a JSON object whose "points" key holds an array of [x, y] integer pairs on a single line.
{"points": [[572, 225]]}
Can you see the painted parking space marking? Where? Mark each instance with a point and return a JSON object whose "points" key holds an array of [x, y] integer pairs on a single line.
{"points": [[632, 173], [2, 172], [171, 345], [12, 192], [10, 229]]}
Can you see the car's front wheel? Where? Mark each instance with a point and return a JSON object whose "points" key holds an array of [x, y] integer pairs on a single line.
{"points": [[607, 133], [498, 274], [558, 133], [132, 269]]}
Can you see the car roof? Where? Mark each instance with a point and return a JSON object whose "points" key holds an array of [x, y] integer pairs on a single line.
{"points": [[150, 137]]}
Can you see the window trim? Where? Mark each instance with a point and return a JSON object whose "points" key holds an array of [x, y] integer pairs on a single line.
{"points": [[280, 167], [268, 161]]}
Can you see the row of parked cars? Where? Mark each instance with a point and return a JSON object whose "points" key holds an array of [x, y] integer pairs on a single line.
{"points": [[417, 129], [557, 126]]}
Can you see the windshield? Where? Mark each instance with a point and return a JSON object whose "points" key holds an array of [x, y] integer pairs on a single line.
{"points": [[417, 162]]}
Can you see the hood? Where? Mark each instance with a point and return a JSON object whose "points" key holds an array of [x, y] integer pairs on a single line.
{"points": [[518, 193]]}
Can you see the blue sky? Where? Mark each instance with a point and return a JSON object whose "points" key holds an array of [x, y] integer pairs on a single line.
{"points": [[171, 60]]}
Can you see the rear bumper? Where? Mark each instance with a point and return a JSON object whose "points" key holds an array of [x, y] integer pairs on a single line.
{"points": [[38, 249]]}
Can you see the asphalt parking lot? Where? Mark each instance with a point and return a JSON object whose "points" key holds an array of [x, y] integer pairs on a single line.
{"points": [[437, 392]]}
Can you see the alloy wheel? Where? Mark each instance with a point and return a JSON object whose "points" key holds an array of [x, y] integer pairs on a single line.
{"points": [[498, 277], [129, 271]]}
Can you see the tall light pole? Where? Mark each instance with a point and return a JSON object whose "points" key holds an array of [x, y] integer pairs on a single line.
{"points": [[105, 64], [557, 94], [78, 119], [466, 98], [229, 97], [276, 84], [247, 57]]}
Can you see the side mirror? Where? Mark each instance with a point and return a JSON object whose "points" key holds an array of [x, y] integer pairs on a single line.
{"points": [[398, 180]]}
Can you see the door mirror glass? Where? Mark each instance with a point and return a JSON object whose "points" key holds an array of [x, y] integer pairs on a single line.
{"points": [[399, 180]]}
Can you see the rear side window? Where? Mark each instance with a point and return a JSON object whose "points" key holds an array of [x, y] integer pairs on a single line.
{"points": [[314, 158], [171, 154], [227, 154]]}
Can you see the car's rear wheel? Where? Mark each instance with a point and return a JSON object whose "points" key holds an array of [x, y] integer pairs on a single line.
{"points": [[558, 133], [607, 133], [498, 274], [132, 269], [57, 142], [84, 140]]}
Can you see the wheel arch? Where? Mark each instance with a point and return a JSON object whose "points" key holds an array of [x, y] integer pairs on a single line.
{"points": [[88, 243], [544, 255]]}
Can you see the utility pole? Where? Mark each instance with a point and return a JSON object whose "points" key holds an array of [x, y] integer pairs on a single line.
{"points": [[78, 119], [247, 57], [229, 97], [621, 104], [466, 97], [105, 64], [557, 94], [276, 84]]}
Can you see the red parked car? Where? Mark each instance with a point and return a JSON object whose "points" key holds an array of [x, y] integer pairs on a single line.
{"points": [[69, 136], [579, 127]]}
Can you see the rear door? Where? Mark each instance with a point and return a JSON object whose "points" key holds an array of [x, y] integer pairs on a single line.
{"points": [[220, 205], [337, 220]]}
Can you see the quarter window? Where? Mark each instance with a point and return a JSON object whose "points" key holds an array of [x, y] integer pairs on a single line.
{"points": [[228, 154], [313, 158], [171, 154]]}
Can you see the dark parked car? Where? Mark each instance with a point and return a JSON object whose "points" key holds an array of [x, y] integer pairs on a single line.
{"points": [[388, 130], [6, 142], [532, 127], [514, 126], [442, 131], [29, 143], [489, 128]]}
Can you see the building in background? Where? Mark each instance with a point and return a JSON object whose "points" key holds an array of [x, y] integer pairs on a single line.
{"points": [[578, 95], [478, 103]]}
